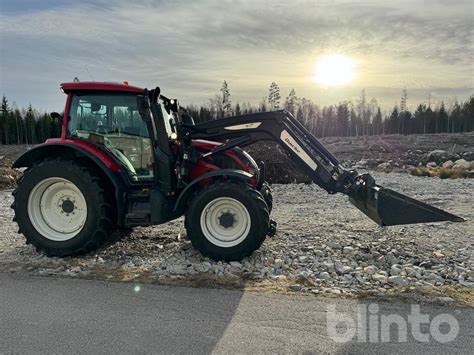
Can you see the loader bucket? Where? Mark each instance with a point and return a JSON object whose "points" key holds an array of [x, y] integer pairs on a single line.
{"points": [[388, 208]]}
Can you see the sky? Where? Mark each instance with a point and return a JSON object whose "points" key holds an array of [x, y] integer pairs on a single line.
{"points": [[189, 47]]}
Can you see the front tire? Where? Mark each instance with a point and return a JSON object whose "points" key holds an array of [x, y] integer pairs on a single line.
{"points": [[266, 192], [227, 220], [61, 208]]}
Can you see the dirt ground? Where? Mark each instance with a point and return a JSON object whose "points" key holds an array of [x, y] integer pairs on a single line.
{"points": [[323, 245]]}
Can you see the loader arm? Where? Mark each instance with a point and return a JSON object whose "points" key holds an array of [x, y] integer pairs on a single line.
{"points": [[279, 126], [384, 206]]}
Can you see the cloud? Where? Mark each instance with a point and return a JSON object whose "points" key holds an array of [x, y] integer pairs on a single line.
{"points": [[190, 47]]}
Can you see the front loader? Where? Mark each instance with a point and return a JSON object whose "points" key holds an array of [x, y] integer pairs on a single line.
{"points": [[129, 156]]}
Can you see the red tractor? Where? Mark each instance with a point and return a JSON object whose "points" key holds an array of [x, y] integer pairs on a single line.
{"points": [[129, 156]]}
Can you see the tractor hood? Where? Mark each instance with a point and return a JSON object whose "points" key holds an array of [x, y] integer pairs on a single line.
{"points": [[235, 158]]}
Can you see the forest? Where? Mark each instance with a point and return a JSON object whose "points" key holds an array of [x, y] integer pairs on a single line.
{"points": [[360, 118]]}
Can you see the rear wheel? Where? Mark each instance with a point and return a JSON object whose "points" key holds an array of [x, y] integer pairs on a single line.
{"points": [[61, 208], [227, 220]]}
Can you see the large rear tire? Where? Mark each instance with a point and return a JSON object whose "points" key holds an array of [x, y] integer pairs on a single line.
{"points": [[227, 220], [61, 208]]}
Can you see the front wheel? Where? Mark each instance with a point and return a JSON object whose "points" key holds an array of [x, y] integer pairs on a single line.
{"points": [[227, 220], [266, 192]]}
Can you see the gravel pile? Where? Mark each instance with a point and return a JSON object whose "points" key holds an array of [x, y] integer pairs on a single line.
{"points": [[323, 244], [8, 176]]}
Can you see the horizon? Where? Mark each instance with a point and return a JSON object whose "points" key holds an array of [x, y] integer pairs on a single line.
{"points": [[389, 45]]}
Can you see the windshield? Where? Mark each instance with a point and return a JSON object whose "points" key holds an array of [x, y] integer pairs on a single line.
{"points": [[113, 121]]}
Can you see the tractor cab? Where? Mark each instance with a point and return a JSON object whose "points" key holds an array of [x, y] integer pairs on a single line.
{"points": [[111, 120]]}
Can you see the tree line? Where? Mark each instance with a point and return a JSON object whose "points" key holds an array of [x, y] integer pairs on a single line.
{"points": [[360, 118], [26, 126]]}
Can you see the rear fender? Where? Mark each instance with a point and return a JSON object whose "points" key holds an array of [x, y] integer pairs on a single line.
{"points": [[189, 190], [109, 167]]}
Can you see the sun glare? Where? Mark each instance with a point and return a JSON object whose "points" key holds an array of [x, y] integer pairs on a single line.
{"points": [[334, 70]]}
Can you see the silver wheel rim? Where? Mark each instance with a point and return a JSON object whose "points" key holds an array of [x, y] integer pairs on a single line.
{"points": [[225, 222], [57, 209]]}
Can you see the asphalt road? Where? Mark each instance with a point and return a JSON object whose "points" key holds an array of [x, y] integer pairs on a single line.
{"points": [[49, 315]]}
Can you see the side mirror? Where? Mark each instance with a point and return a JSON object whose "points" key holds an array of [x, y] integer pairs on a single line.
{"points": [[143, 104]]}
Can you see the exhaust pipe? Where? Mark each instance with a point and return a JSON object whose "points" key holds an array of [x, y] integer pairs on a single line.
{"points": [[388, 208]]}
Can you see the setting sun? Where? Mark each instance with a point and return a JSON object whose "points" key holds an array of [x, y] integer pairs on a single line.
{"points": [[334, 70]]}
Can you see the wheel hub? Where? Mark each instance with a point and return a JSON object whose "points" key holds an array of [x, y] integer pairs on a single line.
{"points": [[67, 206], [227, 219], [225, 222]]}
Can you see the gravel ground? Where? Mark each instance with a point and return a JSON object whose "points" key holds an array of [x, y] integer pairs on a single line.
{"points": [[323, 244]]}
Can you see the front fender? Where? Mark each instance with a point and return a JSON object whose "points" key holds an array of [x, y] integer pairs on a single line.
{"points": [[189, 190]]}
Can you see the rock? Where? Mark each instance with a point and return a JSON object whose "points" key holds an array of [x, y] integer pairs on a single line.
{"points": [[361, 164], [278, 263], [236, 264], [431, 164], [384, 165], [438, 254], [426, 264], [448, 164], [463, 164], [437, 156], [397, 280], [325, 276], [177, 269], [445, 300], [329, 265], [318, 252], [347, 250], [465, 283], [379, 277], [295, 287], [371, 269], [395, 270], [343, 269], [303, 259]]}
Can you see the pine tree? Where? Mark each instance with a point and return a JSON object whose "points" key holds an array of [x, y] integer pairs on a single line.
{"points": [[468, 115], [291, 102], [274, 97], [442, 118], [363, 112], [377, 122], [226, 103], [394, 120], [4, 119], [237, 109], [403, 100], [263, 105], [342, 118], [300, 114], [30, 125]]}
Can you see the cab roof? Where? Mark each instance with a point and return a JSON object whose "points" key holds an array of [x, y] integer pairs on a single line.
{"points": [[99, 86]]}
